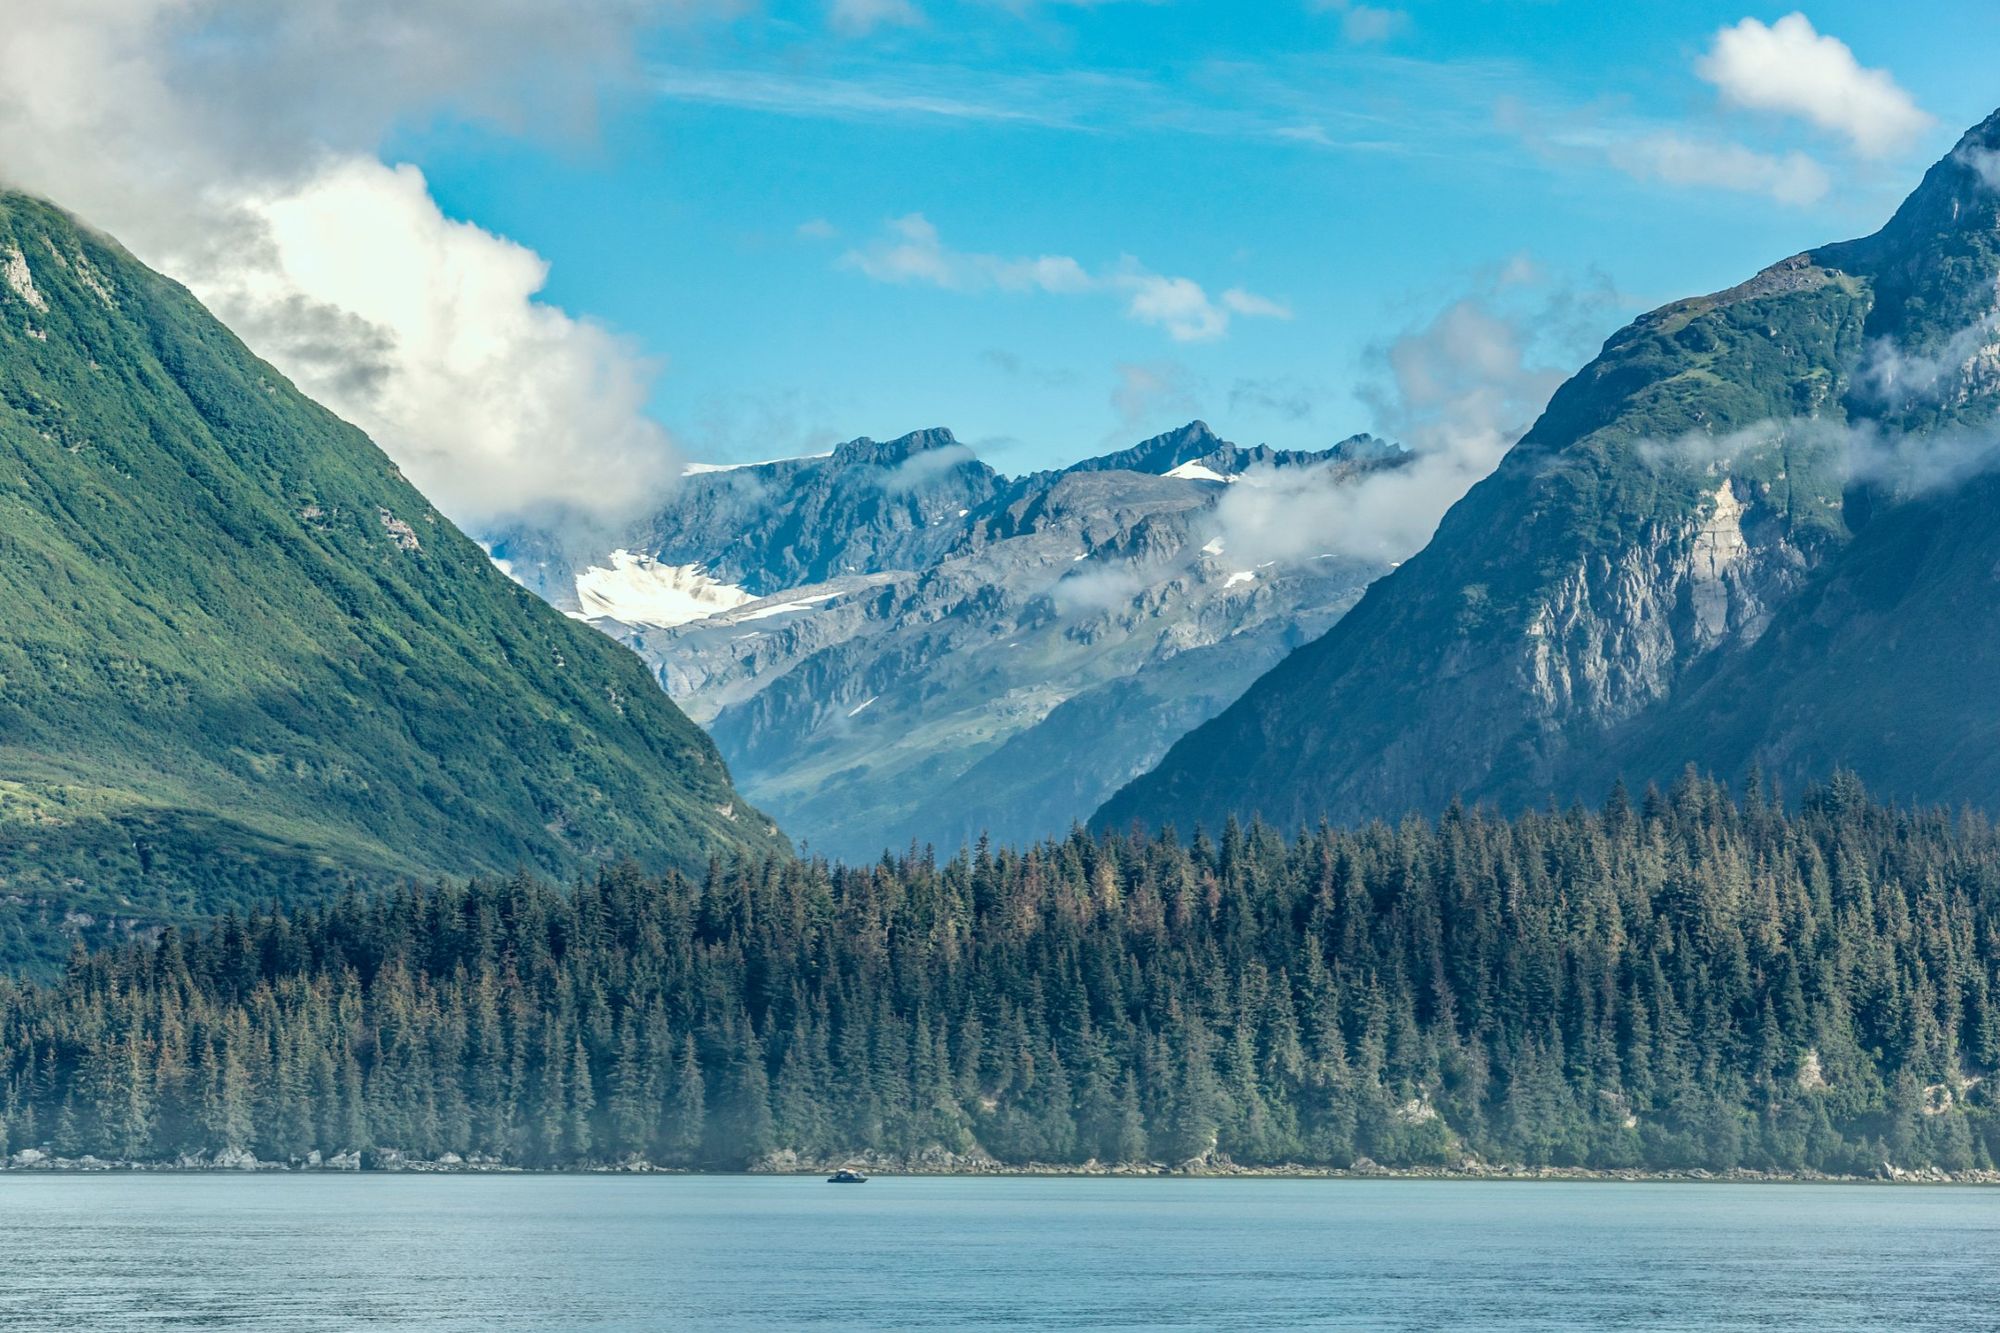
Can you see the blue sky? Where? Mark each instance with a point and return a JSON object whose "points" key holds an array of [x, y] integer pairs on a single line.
{"points": [[545, 253], [820, 222]]}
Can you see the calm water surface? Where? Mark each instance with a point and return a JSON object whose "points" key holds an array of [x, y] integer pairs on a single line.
{"points": [[563, 1252]]}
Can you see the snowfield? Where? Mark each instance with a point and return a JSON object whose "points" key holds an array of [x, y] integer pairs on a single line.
{"points": [[639, 590]]}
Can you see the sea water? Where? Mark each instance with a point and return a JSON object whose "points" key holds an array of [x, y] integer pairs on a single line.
{"points": [[430, 1252]]}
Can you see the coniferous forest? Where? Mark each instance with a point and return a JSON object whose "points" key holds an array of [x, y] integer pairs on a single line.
{"points": [[1677, 981]]}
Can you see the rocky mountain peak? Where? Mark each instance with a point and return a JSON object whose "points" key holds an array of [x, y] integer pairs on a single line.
{"points": [[865, 452], [1161, 454], [1957, 205], [1677, 498], [1367, 448], [1986, 134]]}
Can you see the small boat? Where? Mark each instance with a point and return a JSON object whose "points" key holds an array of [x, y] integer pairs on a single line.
{"points": [[847, 1176]]}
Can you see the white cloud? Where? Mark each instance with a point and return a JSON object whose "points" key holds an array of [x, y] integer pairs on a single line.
{"points": [[1906, 463], [231, 144], [1790, 68], [817, 229], [920, 470], [1985, 163], [1461, 389], [1960, 367], [1096, 588], [1363, 24], [913, 251], [492, 400], [858, 18], [1281, 516], [1178, 305], [1676, 159], [1253, 306]]}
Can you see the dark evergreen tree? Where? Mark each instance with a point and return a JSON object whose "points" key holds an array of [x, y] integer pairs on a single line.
{"points": [[1686, 983]]}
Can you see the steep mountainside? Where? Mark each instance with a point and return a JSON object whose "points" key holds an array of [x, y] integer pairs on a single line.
{"points": [[1887, 664], [1677, 522], [241, 657], [893, 642]]}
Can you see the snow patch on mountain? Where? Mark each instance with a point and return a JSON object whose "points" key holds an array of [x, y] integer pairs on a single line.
{"points": [[777, 608], [639, 590], [1198, 471], [697, 469]]}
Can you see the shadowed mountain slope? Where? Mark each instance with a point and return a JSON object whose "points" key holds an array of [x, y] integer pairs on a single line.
{"points": [[1678, 522]]}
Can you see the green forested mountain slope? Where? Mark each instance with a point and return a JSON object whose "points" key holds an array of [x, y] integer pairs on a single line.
{"points": [[240, 655], [1677, 497]]}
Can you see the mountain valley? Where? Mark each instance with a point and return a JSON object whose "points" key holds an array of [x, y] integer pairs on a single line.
{"points": [[894, 643]]}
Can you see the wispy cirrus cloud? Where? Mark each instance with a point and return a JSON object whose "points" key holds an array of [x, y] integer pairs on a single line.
{"points": [[1674, 158], [1677, 156], [913, 252], [887, 97], [1346, 100]]}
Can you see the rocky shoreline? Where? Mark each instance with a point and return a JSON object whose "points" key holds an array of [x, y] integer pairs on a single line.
{"points": [[941, 1163]]}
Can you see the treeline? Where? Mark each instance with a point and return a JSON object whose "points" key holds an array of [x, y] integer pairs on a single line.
{"points": [[1684, 982]]}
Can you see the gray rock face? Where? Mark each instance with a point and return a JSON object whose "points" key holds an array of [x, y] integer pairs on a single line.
{"points": [[1613, 636], [895, 643]]}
